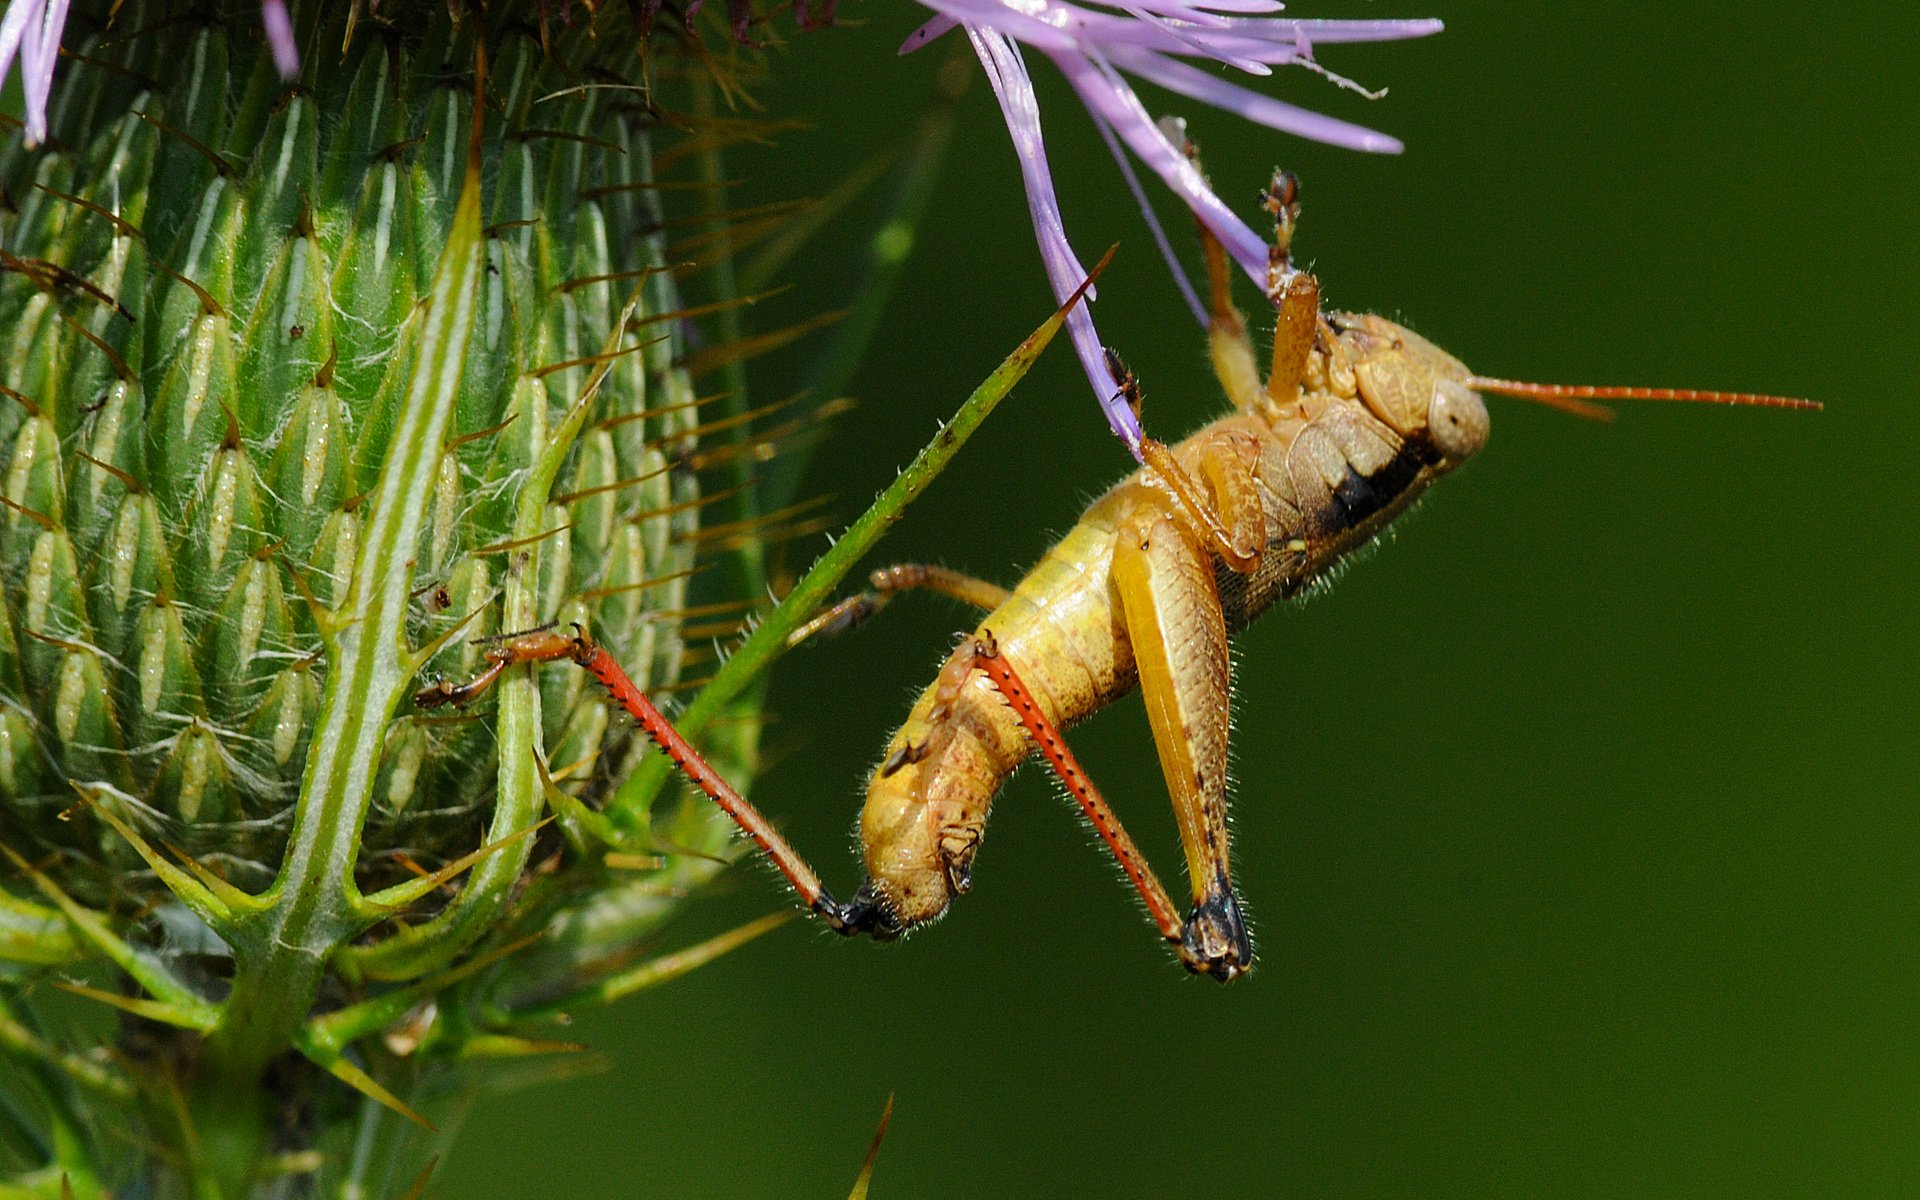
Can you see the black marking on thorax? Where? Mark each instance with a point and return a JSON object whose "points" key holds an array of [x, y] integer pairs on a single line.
{"points": [[1360, 507], [1358, 497]]}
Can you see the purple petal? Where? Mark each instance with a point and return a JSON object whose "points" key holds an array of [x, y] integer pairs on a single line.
{"points": [[1187, 11], [13, 25], [1056, 25], [1179, 77], [286, 53], [1013, 87], [1197, 46], [1104, 92], [38, 56], [927, 34], [1327, 32], [999, 18], [31, 29]]}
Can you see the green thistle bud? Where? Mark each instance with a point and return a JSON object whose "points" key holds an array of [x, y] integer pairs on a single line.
{"points": [[303, 386]]}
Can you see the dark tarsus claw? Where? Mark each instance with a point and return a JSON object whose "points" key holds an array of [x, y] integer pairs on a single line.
{"points": [[1215, 942], [437, 694], [865, 913]]}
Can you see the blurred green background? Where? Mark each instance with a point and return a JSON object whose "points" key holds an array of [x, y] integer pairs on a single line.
{"points": [[1579, 826]]}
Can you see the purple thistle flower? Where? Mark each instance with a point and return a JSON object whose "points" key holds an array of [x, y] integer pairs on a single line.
{"points": [[1151, 39], [32, 28]]}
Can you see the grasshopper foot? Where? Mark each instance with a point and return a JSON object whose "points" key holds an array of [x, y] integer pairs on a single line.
{"points": [[1214, 941], [866, 913], [438, 694]]}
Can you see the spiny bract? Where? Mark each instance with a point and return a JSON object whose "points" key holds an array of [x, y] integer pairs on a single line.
{"points": [[287, 393]]}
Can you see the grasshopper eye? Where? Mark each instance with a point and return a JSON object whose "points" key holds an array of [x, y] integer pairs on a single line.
{"points": [[1456, 420]]}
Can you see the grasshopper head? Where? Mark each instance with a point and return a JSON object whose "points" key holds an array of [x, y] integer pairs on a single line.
{"points": [[1424, 392], [1419, 390]]}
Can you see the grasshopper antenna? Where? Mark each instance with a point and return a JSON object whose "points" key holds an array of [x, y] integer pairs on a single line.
{"points": [[1572, 398]]}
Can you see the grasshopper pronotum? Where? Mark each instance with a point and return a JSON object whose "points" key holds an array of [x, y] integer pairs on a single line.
{"points": [[1355, 418]]}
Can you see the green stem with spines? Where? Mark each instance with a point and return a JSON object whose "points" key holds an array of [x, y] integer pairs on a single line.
{"points": [[768, 641]]}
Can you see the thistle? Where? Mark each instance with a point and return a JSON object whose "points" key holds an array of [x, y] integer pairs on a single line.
{"points": [[305, 385]]}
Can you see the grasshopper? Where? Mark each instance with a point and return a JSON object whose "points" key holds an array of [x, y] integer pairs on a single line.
{"points": [[1354, 419]]}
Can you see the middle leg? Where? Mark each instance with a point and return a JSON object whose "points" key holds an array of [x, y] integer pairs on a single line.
{"points": [[887, 582]]}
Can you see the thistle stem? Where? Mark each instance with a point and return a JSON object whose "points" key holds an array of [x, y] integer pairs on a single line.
{"points": [[281, 951]]}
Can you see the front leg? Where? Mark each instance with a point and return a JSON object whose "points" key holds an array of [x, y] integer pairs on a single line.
{"points": [[1230, 520], [1179, 635]]}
